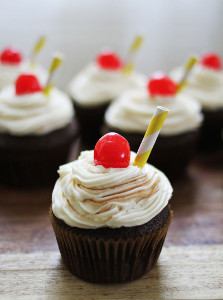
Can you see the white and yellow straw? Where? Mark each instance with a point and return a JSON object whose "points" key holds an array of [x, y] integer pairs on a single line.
{"points": [[150, 137], [56, 62], [129, 66], [188, 67], [37, 48]]}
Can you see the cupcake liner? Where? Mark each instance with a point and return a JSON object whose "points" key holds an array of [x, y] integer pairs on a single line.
{"points": [[29, 161], [90, 119], [108, 260], [211, 138]]}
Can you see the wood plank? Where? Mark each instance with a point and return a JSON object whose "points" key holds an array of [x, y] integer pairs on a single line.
{"points": [[182, 272]]}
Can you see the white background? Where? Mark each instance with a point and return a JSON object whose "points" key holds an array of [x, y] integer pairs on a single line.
{"points": [[173, 29]]}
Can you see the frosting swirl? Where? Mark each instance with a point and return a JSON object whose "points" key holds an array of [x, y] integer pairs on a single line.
{"points": [[134, 109], [89, 196], [95, 85], [33, 113], [204, 85], [9, 73]]}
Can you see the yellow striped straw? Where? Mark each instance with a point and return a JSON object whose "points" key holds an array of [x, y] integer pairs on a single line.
{"points": [[150, 137], [37, 48], [56, 62], [188, 67], [129, 66]]}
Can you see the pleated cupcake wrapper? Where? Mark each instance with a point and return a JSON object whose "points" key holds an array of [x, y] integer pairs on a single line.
{"points": [[109, 261], [34, 160]]}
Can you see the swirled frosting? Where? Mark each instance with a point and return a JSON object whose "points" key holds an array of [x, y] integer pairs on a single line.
{"points": [[9, 73], [204, 85], [33, 113], [133, 110], [95, 85], [90, 196]]}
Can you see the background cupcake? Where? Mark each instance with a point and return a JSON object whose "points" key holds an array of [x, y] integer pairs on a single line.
{"points": [[12, 63], [95, 87], [110, 217], [205, 85], [130, 114], [36, 132]]}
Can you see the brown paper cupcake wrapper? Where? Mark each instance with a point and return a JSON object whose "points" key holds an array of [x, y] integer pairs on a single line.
{"points": [[30, 161], [94, 114], [109, 261]]}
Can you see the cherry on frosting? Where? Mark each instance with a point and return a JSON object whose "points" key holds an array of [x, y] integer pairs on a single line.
{"points": [[161, 85], [212, 61], [112, 151], [109, 60], [27, 83], [10, 56]]}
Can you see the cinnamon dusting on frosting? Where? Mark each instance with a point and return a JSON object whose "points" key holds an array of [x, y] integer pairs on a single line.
{"points": [[108, 197]]}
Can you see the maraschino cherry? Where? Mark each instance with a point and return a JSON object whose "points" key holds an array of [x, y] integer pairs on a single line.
{"points": [[212, 61], [109, 60], [10, 56], [161, 85], [112, 151], [27, 83]]}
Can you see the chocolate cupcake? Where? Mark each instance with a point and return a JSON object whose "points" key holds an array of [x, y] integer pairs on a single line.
{"points": [[131, 113], [205, 85], [110, 218], [36, 133], [12, 64], [95, 87]]}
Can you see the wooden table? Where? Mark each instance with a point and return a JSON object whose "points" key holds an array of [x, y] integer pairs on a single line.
{"points": [[190, 265]]}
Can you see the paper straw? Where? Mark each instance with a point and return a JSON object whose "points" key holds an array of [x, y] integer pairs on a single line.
{"points": [[37, 48], [150, 137], [188, 67], [56, 62], [129, 66]]}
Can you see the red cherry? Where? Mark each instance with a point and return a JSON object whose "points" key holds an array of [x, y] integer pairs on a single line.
{"points": [[161, 85], [10, 56], [112, 151], [212, 61], [109, 60], [27, 84]]}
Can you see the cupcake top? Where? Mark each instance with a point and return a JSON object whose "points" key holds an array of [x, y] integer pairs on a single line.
{"points": [[205, 82], [24, 109], [12, 64], [90, 195], [133, 110], [102, 80]]}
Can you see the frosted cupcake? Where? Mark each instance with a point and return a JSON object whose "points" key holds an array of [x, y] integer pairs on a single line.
{"points": [[12, 64], [110, 218], [36, 132], [131, 113], [205, 85], [96, 86]]}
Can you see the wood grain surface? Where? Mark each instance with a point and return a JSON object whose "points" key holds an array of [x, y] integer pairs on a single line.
{"points": [[190, 267], [184, 272]]}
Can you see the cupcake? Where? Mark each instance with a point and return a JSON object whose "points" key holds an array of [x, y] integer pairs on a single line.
{"points": [[205, 85], [12, 64], [110, 217], [95, 87], [36, 132], [131, 113]]}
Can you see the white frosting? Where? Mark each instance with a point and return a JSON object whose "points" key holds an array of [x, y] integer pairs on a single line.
{"points": [[33, 113], [134, 109], [90, 196], [9, 73], [95, 85], [204, 85]]}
